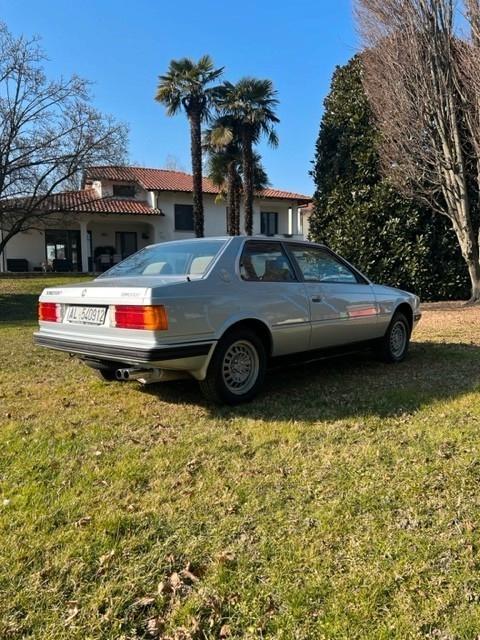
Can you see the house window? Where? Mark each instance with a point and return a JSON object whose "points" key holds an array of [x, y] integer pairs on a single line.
{"points": [[125, 243], [183, 217], [269, 223], [124, 190]]}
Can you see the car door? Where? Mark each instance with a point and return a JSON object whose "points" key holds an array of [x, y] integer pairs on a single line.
{"points": [[271, 291], [343, 308]]}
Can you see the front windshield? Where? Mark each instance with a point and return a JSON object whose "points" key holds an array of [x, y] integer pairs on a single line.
{"points": [[185, 258]]}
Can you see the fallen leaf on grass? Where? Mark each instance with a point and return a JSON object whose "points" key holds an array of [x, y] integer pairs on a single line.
{"points": [[83, 521], [161, 425], [225, 556], [192, 466], [188, 575], [154, 627], [162, 588], [72, 611], [106, 557], [225, 631], [146, 601], [175, 581]]}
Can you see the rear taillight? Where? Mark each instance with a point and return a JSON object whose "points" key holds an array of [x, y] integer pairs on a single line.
{"points": [[49, 312], [149, 317]]}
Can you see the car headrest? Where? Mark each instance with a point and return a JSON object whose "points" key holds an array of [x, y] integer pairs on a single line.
{"points": [[199, 265]]}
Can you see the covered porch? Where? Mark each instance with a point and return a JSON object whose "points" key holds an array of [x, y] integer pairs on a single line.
{"points": [[97, 244], [91, 244]]}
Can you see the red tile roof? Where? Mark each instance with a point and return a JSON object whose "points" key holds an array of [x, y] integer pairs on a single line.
{"points": [[166, 180], [88, 201]]}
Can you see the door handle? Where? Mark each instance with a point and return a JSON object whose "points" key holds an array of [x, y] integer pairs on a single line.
{"points": [[316, 298]]}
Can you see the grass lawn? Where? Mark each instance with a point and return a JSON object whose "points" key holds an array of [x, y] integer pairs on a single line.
{"points": [[343, 503]]}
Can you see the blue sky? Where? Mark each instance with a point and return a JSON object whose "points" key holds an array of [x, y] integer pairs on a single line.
{"points": [[123, 46]]}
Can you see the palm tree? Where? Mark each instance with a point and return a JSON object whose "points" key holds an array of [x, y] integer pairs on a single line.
{"points": [[225, 169], [251, 103], [187, 85], [223, 146], [223, 172]]}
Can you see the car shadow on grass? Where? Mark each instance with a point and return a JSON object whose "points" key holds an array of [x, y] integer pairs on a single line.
{"points": [[349, 386]]}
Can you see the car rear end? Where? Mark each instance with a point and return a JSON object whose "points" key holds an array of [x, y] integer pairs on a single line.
{"points": [[119, 328], [147, 315]]}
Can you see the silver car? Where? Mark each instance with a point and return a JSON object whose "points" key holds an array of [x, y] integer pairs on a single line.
{"points": [[220, 309]]}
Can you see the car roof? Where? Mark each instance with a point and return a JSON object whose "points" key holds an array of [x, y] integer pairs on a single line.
{"points": [[257, 238], [283, 239]]}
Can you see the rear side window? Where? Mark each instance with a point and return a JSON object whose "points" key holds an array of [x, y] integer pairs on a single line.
{"points": [[265, 262], [318, 265]]}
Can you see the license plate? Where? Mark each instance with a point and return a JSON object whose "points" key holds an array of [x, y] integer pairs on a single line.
{"points": [[86, 315]]}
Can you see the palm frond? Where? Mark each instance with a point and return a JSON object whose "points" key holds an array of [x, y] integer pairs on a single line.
{"points": [[187, 84], [251, 101]]}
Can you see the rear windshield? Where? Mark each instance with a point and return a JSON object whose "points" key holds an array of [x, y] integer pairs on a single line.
{"points": [[186, 258]]}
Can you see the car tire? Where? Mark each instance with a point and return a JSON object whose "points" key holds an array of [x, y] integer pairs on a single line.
{"points": [[393, 347], [237, 369]]}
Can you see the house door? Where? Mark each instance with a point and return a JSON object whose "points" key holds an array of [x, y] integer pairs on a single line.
{"points": [[63, 249], [268, 223]]}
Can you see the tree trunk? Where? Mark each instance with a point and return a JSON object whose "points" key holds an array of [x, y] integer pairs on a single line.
{"points": [[469, 245], [196, 150], [3, 244], [474, 273], [231, 186], [238, 201], [471, 257], [247, 160]]}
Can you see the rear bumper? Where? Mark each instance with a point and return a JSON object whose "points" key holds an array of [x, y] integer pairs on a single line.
{"points": [[124, 354]]}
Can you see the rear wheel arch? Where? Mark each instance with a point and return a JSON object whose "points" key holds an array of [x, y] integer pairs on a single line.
{"points": [[258, 327]]}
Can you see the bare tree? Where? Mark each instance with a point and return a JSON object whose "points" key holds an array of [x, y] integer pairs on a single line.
{"points": [[173, 163], [423, 82], [49, 132]]}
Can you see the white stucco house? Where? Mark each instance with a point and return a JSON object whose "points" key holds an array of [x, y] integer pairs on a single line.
{"points": [[122, 209]]}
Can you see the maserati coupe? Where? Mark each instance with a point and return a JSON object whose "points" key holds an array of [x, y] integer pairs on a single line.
{"points": [[221, 310]]}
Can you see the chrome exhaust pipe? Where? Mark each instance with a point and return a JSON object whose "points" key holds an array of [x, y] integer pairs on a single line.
{"points": [[131, 374], [147, 376]]}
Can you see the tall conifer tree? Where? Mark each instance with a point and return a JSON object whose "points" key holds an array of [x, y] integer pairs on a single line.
{"points": [[359, 214]]}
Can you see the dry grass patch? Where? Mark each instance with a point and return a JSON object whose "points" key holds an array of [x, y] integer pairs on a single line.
{"points": [[450, 322]]}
